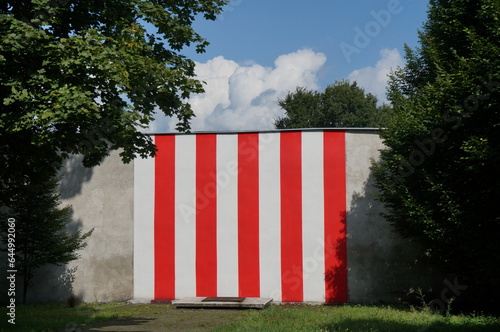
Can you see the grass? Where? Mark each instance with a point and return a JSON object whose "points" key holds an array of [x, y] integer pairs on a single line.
{"points": [[121, 317], [155, 317], [53, 317], [359, 318]]}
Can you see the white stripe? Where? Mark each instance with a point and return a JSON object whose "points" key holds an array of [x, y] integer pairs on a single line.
{"points": [[269, 209], [227, 215], [144, 187], [313, 258], [185, 215]]}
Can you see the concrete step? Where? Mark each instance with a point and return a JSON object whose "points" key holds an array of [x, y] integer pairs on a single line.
{"points": [[223, 302]]}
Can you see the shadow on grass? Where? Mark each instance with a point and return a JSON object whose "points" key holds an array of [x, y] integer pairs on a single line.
{"points": [[374, 324], [122, 324], [154, 317], [57, 317]]}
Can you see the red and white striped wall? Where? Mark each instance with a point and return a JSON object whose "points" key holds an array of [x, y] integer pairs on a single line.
{"points": [[242, 214]]}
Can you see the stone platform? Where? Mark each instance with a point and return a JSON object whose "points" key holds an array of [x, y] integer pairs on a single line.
{"points": [[223, 302]]}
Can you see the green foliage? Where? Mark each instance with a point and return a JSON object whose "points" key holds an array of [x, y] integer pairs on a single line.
{"points": [[342, 104], [439, 175], [84, 77], [41, 229]]}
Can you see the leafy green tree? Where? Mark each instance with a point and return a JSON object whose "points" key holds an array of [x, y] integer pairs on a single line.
{"points": [[342, 104], [85, 76], [439, 176], [41, 229]]}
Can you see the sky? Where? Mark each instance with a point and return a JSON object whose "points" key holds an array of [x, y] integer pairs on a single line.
{"points": [[261, 50]]}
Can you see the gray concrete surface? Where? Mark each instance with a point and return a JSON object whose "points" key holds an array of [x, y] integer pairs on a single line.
{"points": [[382, 266], [247, 303], [101, 198]]}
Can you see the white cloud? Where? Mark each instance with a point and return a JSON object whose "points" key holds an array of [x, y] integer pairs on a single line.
{"points": [[374, 79], [245, 97]]}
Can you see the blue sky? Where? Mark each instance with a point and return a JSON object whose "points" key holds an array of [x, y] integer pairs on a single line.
{"points": [[262, 49]]}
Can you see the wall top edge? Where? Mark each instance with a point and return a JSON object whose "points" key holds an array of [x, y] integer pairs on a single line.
{"points": [[372, 130]]}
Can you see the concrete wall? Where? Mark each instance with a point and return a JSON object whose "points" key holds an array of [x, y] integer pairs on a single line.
{"points": [[382, 266], [101, 198]]}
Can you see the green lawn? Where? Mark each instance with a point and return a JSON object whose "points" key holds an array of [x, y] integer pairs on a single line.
{"points": [[359, 318], [127, 317], [54, 317]]}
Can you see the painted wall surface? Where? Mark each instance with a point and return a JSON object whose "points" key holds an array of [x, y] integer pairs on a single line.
{"points": [[248, 214]]}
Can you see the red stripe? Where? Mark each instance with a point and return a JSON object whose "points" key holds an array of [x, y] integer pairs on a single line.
{"points": [[164, 218], [206, 215], [248, 215], [291, 217], [335, 217]]}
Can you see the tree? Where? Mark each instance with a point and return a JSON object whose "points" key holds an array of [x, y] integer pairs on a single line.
{"points": [[40, 230], [85, 77], [439, 175], [342, 104]]}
